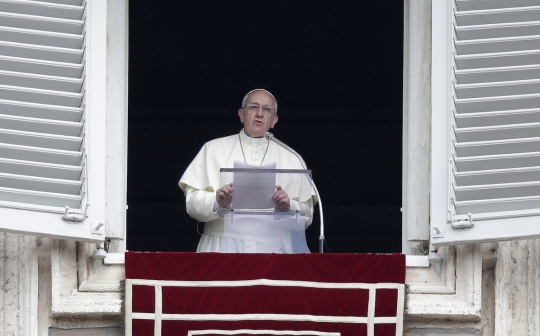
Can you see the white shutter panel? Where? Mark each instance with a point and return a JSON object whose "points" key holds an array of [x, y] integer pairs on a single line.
{"points": [[44, 120], [494, 122]]}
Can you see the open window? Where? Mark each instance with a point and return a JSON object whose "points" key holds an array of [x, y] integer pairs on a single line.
{"points": [[485, 121], [340, 108]]}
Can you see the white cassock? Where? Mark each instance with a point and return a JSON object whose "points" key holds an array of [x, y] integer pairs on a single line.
{"points": [[202, 178]]}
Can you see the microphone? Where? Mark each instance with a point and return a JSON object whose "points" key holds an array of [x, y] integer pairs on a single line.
{"points": [[269, 136]]}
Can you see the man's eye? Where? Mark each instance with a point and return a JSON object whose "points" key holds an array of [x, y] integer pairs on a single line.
{"points": [[267, 109], [253, 107]]}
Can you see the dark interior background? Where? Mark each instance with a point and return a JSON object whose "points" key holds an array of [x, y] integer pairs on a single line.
{"points": [[335, 68]]}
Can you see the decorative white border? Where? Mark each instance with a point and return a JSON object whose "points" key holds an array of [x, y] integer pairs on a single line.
{"points": [[262, 317], [267, 282], [158, 315], [410, 260], [261, 332]]}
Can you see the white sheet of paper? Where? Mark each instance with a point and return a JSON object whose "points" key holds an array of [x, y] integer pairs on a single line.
{"points": [[254, 191]]}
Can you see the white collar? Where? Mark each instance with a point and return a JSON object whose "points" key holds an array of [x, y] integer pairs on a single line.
{"points": [[252, 141]]}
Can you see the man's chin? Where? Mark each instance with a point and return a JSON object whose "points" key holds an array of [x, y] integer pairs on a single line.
{"points": [[255, 133]]}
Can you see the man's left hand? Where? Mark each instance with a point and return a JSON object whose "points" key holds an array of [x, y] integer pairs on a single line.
{"points": [[282, 200]]}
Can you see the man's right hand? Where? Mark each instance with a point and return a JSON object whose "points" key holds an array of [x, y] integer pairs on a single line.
{"points": [[224, 195]]}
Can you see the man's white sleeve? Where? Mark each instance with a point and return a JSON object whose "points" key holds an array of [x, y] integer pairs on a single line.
{"points": [[200, 204], [306, 207]]}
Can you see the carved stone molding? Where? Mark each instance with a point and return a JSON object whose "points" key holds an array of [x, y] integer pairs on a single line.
{"points": [[455, 294], [83, 287]]}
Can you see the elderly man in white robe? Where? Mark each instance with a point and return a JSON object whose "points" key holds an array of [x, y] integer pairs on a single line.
{"points": [[201, 180]]}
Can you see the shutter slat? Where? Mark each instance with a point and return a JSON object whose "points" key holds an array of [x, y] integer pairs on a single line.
{"points": [[495, 60], [500, 15], [38, 37], [498, 89], [33, 183], [468, 5], [39, 96], [494, 191], [488, 75], [42, 9], [492, 104], [505, 161], [498, 147], [40, 169], [43, 140], [52, 83], [498, 118], [485, 177], [497, 45], [515, 131], [49, 68], [498, 205], [482, 32], [40, 111], [39, 197], [65, 2], [41, 125], [37, 52], [34, 22], [44, 155]]}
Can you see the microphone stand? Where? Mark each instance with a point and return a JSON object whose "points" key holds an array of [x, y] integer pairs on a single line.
{"points": [[270, 136]]}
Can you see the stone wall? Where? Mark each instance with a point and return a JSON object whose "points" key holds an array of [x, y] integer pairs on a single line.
{"points": [[49, 285], [53, 287], [510, 294]]}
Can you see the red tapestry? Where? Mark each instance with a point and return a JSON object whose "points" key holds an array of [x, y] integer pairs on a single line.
{"points": [[211, 294]]}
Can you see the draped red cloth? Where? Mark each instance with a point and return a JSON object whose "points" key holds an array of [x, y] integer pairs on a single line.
{"points": [[264, 294]]}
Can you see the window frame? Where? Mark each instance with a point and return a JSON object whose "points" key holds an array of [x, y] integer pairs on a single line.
{"points": [[416, 127]]}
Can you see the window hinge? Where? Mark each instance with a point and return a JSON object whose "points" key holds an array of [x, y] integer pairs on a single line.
{"points": [[75, 216]]}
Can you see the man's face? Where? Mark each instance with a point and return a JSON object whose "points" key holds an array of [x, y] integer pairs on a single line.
{"points": [[257, 123]]}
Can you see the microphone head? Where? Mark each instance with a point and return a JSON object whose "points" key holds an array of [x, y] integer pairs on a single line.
{"points": [[268, 135]]}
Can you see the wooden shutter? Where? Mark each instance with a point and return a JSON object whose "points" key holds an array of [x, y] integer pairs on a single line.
{"points": [[43, 118], [494, 121]]}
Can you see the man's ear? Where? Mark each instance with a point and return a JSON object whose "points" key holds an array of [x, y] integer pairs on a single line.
{"points": [[241, 115], [274, 122]]}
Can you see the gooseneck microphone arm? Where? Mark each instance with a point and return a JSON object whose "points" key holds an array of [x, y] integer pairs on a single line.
{"points": [[270, 136]]}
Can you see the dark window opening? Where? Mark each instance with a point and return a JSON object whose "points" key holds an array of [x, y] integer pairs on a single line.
{"points": [[336, 70]]}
